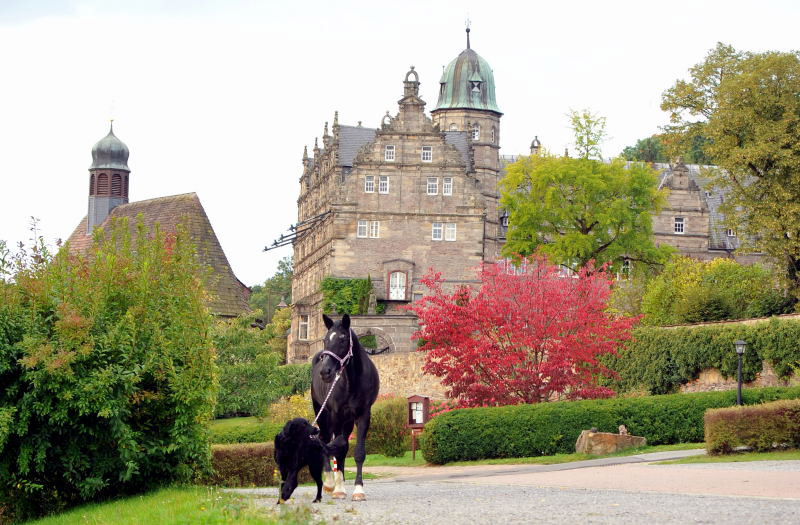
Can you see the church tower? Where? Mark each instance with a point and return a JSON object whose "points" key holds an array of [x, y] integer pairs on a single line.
{"points": [[108, 179], [467, 103]]}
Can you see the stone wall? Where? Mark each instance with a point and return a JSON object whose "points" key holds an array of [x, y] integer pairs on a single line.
{"points": [[711, 380], [401, 375]]}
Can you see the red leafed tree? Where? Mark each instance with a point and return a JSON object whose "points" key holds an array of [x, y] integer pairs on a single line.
{"points": [[525, 335]]}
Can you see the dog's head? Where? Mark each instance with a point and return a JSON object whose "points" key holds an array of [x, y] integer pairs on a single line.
{"points": [[291, 445]]}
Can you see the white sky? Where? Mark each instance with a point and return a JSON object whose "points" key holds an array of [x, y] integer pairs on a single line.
{"points": [[219, 98]]}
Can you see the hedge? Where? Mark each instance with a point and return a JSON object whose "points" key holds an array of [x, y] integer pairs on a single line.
{"points": [[247, 465], [243, 430], [761, 427], [551, 428], [660, 360]]}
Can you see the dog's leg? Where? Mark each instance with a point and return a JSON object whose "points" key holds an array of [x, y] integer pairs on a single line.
{"points": [[315, 469]]}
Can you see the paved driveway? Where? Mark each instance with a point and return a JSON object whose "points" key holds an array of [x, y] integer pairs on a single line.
{"points": [[618, 490]]}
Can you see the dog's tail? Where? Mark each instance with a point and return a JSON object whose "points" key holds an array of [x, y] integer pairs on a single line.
{"points": [[336, 447]]}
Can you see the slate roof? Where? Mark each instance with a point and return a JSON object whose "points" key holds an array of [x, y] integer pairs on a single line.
{"points": [[229, 294], [460, 140], [352, 139], [718, 238]]}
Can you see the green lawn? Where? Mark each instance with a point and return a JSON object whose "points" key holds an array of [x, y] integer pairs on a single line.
{"points": [[742, 456], [185, 505]]}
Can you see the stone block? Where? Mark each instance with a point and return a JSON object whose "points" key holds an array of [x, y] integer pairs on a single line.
{"points": [[602, 443]]}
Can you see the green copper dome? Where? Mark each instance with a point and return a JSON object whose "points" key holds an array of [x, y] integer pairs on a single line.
{"points": [[467, 83]]}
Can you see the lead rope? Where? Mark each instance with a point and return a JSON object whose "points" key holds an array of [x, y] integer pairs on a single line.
{"points": [[335, 379]]}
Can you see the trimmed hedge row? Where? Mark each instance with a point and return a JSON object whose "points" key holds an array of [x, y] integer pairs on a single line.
{"points": [[761, 427], [660, 360], [247, 465], [550, 428], [242, 430]]}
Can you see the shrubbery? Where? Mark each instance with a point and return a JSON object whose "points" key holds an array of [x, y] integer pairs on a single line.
{"points": [[243, 430], [350, 296], [692, 291], [388, 433], [288, 408], [247, 465], [760, 427], [107, 376], [660, 360], [550, 428]]}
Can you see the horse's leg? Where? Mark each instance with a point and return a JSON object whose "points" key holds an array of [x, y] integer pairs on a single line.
{"points": [[359, 454], [339, 491]]}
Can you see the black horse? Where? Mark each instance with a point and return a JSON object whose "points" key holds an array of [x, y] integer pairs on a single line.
{"points": [[349, 399]]}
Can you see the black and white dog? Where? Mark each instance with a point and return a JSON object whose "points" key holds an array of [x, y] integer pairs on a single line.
{"points": [[298, 445]]}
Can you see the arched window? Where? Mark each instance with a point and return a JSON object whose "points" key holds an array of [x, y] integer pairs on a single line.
{"points": [[476, 132], [397, 286], [116, 185], [453, 127], [493, 137], [102, 185], [91, 185]]}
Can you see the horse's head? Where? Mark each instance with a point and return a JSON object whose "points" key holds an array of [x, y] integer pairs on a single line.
{"points": [[337, 347]]}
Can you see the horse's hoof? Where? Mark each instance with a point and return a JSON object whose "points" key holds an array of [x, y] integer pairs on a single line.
{"points": [[328, 489], [339, 495], [359, 497]]}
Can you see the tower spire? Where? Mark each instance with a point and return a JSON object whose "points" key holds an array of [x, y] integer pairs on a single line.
{"points": [[468, 23]]}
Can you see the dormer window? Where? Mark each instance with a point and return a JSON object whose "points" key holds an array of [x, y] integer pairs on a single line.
{"points": [[475, 86]]}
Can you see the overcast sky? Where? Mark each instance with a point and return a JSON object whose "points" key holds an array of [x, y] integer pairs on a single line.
{"points": [[219, 98]]}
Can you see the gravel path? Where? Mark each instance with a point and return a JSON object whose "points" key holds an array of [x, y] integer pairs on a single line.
{"points": [[455, 503]]}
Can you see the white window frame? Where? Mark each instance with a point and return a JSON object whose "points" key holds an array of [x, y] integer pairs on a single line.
{"points": [[383, 184], [504, 221], [679, 225], [730, 233], [303, 326], [397, 291], [437, 231], [450, 231], [493, 135], [361, 229], [369, 184], [427, 154], [389, 153], [432, 186], [375, 229], [447, 186], [475, 131], [453, 127]]}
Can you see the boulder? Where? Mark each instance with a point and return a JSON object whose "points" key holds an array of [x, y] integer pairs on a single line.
{"points": [[602, 443]]}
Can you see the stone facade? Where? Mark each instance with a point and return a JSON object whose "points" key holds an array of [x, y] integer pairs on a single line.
{"points": [[391, 203]]}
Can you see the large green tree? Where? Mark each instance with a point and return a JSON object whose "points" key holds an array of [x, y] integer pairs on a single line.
{"points": [[575, 210], [267, 296], [649, 149], [748, 106]]}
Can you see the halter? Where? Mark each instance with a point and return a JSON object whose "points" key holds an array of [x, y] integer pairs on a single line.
{"points": [[342, 362]]}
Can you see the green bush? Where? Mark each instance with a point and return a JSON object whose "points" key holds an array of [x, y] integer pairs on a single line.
{"points": [[248, 465], [243, 430], [250, 375], [388, 433], [692, 291], [107, 371], [550, 428], [757, 427], [660, 360], [351, 296]]}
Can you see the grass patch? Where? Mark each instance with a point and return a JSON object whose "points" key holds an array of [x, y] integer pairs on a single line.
{"points": [[782, 455], [182, 505], [379, 460]]}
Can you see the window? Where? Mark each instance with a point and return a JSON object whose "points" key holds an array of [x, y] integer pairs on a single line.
{"points": [[504, 221], [116, 185], [476, 132], [369, 184], [102, 185], [625, 270], [91, 185], [375, 229], [708, 194], [436, 234], [397, 286], [447, 186], [450, 231], [427, 154], [475, 86], [362, 229], [679, 225], [454, 127], [730, 233], [493, 135], [433, 185], [383, 184], [388, 154], [302, 332]]}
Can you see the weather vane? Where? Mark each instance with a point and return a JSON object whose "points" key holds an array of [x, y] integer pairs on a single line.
{"points": [[468, 23]]}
